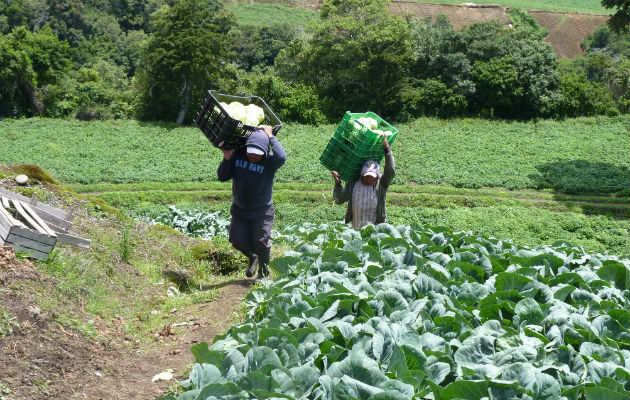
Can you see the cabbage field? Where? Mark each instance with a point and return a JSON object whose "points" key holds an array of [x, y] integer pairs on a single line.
{"points": [[399, 313]]}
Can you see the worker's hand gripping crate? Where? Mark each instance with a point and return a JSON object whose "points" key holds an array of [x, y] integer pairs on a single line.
{"points": [[358, 138], [222, 129]]}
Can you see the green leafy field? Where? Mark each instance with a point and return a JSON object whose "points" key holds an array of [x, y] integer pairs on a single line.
{"points": [[524, 224], [147, 167], [258, 14], [586, 6], [399, 313], [574, 156], [249, 13]]}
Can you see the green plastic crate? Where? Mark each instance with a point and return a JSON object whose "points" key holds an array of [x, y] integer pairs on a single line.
{"points": [[359, 137], [337, 156], [349, 147]]}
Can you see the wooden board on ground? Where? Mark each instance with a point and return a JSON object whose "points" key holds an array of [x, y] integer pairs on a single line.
{"points": [[37, 219], [74, 240], [45, 227], [30, 221], [42, 206], [29, 234], [48, 213], [4, 232], [51, 219], [29, 243], [38, 255], [8, 219]]}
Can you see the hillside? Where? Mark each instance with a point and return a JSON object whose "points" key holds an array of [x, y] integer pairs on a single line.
{"points": [[568, 24], [99, 323]]}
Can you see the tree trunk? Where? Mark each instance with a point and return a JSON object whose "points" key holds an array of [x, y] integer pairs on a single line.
{"points": [[185, 96]]}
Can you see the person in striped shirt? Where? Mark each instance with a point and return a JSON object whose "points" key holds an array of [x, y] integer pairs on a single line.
{"points": [[366, 195]]}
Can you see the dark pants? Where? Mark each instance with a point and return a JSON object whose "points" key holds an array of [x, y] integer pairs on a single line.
{"points": [[252, 236]]}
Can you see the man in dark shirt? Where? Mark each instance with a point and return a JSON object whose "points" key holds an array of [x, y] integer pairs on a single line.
{"points": [[252, 170]]}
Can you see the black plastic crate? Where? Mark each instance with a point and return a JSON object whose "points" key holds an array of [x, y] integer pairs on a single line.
{"points": [[224, 131]]}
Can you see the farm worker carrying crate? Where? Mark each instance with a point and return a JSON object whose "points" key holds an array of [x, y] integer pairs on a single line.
{"points": [[359, 143], [252, 170], [366, 195]]}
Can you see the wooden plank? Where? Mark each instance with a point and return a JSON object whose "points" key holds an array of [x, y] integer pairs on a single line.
{"points": [[43, 206], [9, 218], [29, 234], [4, 232], [51, 219], [56, 229], [70, 214], [73, 240], [4, 219], [45, 215], [32, 253], [41, 223], [5, 202], [18, 206], [29, 243]]}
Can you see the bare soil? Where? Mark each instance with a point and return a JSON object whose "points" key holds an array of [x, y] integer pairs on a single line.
{"points": [[41, 359], [566, 29]]}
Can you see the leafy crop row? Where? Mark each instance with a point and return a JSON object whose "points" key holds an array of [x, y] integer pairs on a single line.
{"points": [[586, 6], [577, 156], [398, 313]]}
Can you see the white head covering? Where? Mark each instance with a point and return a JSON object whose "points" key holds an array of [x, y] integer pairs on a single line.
{"points": [[254, 150]]}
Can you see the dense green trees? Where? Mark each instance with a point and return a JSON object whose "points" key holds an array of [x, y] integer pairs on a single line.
{"points": [[186, 54], [32, 66], [357, 55], [620, 20], [155, 59]]}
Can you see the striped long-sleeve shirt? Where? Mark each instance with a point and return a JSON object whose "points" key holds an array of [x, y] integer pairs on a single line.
{"points": [[345, 193], [364, 202]]}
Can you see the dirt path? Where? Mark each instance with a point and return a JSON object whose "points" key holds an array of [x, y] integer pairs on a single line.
{"points": [[44, 360], [130, 376]]}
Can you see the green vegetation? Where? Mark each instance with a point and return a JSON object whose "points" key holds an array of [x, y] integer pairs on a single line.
{"points": [[264, 15], [620, 20], [585, 155], [182, 58], [399, 313], [586, 6], [526, 223], [8, 323], [121, 282], [155, 60]]}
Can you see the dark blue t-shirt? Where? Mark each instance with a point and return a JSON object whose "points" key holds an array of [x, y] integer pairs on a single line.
{"points": [[252, 183]]}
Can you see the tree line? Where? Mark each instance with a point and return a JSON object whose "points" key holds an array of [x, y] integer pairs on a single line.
{"points": [[156, 59]]}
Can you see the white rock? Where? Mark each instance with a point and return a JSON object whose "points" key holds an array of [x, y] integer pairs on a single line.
{"points": [[21, 179], [163, 376]]}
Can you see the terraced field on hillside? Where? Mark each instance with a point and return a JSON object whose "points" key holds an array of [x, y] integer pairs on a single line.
{"points": [[567, 29]]}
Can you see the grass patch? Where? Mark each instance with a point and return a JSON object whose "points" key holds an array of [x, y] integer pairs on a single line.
{"points": [[529, 226], [250, 14], [424, 195], [585, 6], [583, 155], [119, 282], [34, 173]]}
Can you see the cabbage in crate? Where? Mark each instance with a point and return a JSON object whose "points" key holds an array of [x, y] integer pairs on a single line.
{"points": [[249, 115], [371, 124]]}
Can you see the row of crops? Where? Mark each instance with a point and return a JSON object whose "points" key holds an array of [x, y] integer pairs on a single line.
{"points": [[585, 155], [400, 313]]}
